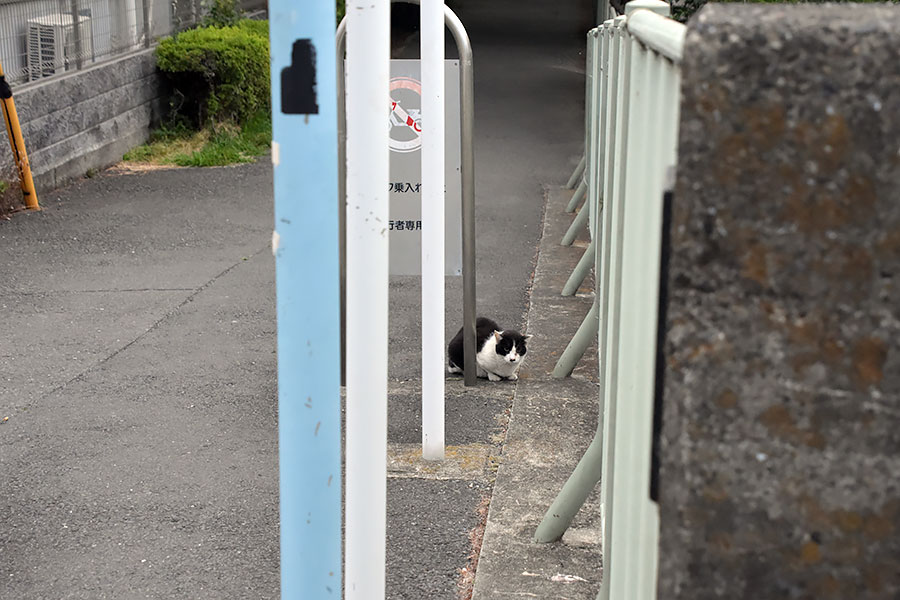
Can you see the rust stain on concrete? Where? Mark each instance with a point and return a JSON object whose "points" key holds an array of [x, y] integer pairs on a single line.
{"points": [[827, 587], [848, 521], [721, 541], [755, 265], [828, 141], [869, 355], [727, 399], [889, 244], [873, 576], [804, 331], [832, 350], [779, 421], [715, 493], [809, 553], [765, 125], [878, 526], [815, 211]]}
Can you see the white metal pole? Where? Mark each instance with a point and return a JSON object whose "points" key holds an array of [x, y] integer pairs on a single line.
{"points": [[432, 52], [368, 93]]}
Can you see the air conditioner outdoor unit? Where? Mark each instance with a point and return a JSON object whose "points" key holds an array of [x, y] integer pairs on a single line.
{"points": [[52, 45]]}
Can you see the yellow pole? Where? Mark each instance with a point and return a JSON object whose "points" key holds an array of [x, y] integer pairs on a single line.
{"points": [[14, 130]]}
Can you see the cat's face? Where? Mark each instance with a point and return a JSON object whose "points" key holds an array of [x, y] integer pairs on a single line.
{"points": [[511, 346]]}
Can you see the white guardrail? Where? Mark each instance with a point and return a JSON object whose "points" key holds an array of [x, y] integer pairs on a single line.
{"points": [[634, 96], [643, 53]]}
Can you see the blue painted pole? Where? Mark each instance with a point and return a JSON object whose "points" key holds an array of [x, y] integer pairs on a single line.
{"points": [[305, 243]]}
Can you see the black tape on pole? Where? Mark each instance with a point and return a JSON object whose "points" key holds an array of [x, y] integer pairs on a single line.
{"points": [[5, 90], [298, 81]]}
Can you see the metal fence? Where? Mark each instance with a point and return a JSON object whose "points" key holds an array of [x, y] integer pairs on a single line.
{"points": [[632, 129], [43, 38], [649, 51]]}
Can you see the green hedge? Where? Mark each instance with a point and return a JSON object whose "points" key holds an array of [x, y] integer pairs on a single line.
{"points": [[218, 73], [258, 28]]}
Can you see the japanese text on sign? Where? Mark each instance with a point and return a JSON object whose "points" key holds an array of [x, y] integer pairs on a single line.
{"points": [[401, 187]]}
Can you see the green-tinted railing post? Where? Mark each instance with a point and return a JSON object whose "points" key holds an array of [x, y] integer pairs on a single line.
{"points": [[578, 223], [576, 174], [577, 197], [635, 137], [587, 333]]}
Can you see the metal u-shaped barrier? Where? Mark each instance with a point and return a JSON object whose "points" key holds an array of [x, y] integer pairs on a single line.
{"points": [[467, 173]]}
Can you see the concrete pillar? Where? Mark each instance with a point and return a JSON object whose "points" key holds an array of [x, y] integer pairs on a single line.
{"points": [[780, 448]]}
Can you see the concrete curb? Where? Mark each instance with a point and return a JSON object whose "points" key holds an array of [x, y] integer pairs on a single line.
{"points": [[552, 423]]}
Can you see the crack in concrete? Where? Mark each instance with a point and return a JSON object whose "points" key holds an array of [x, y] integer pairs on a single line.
{"points": [[190, 297], [106, 291]]}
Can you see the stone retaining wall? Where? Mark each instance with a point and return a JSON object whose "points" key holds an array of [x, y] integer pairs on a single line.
{"points": [[87, 119]]}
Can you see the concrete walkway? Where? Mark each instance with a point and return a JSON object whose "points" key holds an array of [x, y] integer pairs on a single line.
{"points": [[139, 459], [552, 422]]}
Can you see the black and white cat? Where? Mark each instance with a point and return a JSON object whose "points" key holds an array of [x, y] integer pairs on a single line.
{"points": [[500, 352]]}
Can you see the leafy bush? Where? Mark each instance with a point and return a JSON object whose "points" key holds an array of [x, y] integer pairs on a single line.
{"points": [[222, 13], [258, 28], [218, 73]]}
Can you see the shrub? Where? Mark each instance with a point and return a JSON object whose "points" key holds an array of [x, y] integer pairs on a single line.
{"points": [[259, 28], [222, 13], [218, 73]]}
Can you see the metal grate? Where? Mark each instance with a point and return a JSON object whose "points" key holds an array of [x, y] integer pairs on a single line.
{"points": [[43, 38]]}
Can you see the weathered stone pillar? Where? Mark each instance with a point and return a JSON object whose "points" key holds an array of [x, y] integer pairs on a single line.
{"points": [[780, 449]]}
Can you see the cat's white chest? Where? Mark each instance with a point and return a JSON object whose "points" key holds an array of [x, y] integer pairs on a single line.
{"points": [[502, 365]]}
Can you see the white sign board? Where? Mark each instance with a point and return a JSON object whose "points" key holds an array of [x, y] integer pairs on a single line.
{"points": [[406, 169]]}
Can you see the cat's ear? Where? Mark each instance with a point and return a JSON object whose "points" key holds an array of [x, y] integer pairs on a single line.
{"points": [[497, 335], [528, 337]]}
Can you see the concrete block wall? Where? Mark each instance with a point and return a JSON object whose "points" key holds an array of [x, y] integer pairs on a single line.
{"points": [[88, 119], [780, 448]]}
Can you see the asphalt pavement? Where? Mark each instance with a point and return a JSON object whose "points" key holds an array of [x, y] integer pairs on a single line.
{"points": [[139, 457]]}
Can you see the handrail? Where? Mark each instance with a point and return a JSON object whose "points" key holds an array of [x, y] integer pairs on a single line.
{"points": [[659, 33], [634, 83]]}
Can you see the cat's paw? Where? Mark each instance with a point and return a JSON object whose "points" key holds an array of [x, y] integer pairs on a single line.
{"points": [[453, 369], [493, 376], [513, 377]]}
